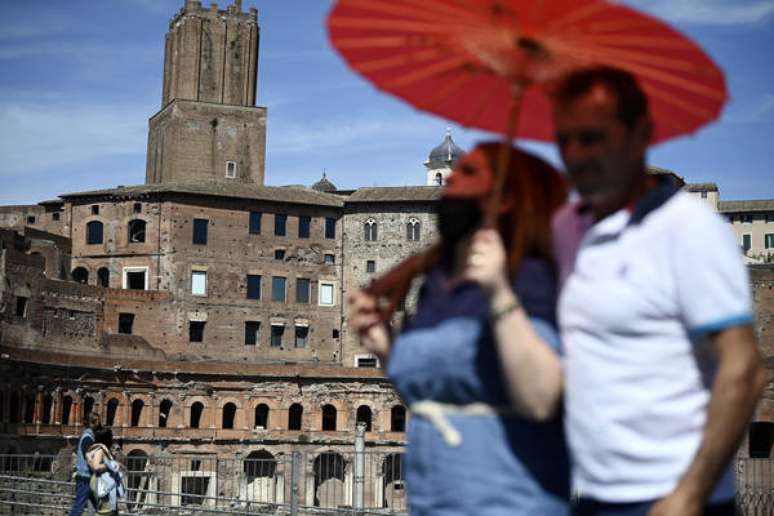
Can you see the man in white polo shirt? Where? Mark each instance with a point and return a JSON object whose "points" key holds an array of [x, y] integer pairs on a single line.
{"points": [[661, 366], [661, 370]]}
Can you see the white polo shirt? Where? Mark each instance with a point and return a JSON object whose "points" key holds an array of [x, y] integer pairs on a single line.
{"points": [[641, 291]]}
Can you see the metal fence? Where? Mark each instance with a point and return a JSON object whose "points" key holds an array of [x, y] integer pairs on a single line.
{"points": [[329, 483], [360, 482]]}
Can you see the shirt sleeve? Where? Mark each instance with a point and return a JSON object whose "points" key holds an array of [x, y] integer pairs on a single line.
{"points": [[713, 289]]}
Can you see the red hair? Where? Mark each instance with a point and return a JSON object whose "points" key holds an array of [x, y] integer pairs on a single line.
{"points": [[532, 192]]}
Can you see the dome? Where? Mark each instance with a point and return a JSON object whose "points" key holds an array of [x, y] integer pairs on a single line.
{"points": [[323, 185], [445, 154]]}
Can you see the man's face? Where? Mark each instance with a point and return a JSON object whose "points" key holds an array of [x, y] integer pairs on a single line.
{"points": [[604, 158]]}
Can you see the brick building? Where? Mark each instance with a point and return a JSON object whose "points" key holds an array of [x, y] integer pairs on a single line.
{"points": [[202, 312]]}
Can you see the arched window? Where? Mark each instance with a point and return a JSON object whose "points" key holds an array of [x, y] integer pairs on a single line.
{"points": [[112, 408], [329, 418], [329, 474], [136, 231], [88, 406], [137, 476], [262, 416], [29, 409], [370, 228], [438, 179], [15, 408], [137, 406], [94, 232], [196, 414], [229, 413], [259, 464], [48, 406], [67, 405], [80, 275], [412, 230], [165, 407], [103, 277], [295, 416], [398, 419], [364, 416]]}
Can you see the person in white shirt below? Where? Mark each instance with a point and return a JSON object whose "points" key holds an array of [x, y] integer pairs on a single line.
{"points": [[661, 370]]}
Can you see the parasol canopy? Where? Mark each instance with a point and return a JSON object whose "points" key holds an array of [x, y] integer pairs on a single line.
{"points": [[482, 62]]}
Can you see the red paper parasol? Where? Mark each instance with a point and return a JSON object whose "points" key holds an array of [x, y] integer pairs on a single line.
{"points": [[487, 63]]}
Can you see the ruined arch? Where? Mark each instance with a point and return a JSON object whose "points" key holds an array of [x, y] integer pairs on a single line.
{"points": [[261, 483], [329, 416], [393, 482], [80, 275], [197, 409], [329, 480], [111, 410], [138, 407], [398, 419], [229, 416], [165, 410], [295, 416], [261, 416], [103, 277], [364, 415]]}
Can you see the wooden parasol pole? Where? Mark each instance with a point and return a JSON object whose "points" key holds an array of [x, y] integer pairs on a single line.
{"points": [[504, 155]]}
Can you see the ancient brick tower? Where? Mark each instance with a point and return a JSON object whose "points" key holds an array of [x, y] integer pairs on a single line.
{"points": [[208, 128]]}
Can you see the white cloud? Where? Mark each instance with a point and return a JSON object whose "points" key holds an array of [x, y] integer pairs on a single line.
{"points": [[35, 138], [709, 12]]}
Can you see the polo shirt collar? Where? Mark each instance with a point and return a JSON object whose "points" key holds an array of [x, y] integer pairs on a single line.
{"points": [[664, 190]]}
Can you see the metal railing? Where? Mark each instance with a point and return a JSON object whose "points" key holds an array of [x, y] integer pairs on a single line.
{"points": [[331, 483]]}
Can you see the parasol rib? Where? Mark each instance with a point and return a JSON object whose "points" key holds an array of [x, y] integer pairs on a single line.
{"points": [[436, 69]]}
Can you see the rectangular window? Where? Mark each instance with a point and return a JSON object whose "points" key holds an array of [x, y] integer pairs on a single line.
{"points": [[747, 218], [704, 195], [278, 288], [276, 335], [231, 169], [196, 331], [330, 228], [329, 259], [21, 306], [327, 293], [135, 278], [253, 286], [194, 490], [251, 332], [31, 219], [125, 323], [302, 290], [280, 224], [302, 332], [137, 207], [199, 283], [768, 240], [770, 217], [367, 362], [255, 222], [730, 217], [746, 242], [304, 224], [200, 231], [279, 254], [370, 266], [95, 210]]}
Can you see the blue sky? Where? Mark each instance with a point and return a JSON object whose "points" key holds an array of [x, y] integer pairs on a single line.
{"points": [[81, 78]]}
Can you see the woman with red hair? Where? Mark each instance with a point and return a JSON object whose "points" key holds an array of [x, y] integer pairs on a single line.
{"points": [[469, 451]]}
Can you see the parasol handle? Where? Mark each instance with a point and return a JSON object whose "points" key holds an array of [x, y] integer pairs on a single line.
{"points": [[504, 156]]}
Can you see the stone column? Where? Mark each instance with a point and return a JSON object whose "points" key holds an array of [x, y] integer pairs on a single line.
{"points": [[56, 407], [38, 408]]}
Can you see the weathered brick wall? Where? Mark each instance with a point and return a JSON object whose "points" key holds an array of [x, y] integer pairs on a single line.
{"points": [[231, 253], [390, 248], [49, 218], [191, 141]]}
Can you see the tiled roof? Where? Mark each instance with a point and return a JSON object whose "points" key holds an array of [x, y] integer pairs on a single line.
{"points": [[286, 194], [739, 206], [396, 194], [701, 187]]}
